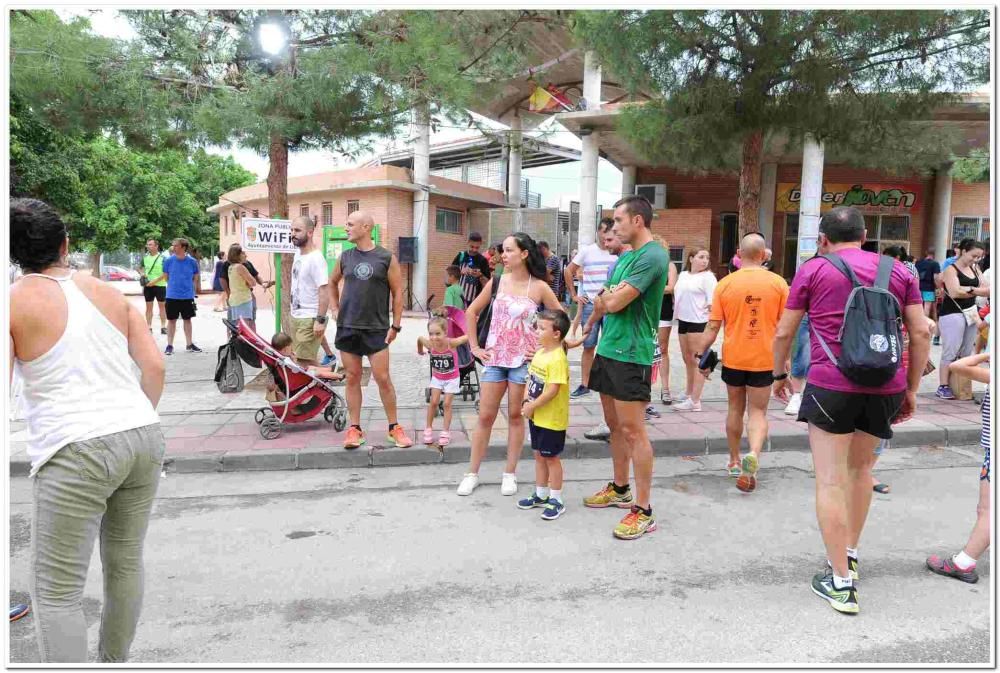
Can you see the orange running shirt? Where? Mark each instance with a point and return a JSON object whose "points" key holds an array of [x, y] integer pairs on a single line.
{"points": [[749, 303]]}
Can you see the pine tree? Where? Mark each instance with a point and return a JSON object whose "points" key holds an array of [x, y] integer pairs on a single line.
{"points": [[733, 84]]}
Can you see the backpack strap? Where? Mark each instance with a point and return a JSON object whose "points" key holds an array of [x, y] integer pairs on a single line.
{"points": [[838, 262], [822, 343], [884, 275]]}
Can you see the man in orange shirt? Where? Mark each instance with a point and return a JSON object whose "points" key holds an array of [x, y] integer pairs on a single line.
{"points": [[749, 302]]}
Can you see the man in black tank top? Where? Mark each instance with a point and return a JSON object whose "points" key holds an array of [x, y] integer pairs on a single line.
{"points": [[371, 276]]}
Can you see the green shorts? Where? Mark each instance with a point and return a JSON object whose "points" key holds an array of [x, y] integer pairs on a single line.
{"points": [[305, 342]]}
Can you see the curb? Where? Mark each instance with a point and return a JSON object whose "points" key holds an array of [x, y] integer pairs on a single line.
{"points": [[782, 439]]}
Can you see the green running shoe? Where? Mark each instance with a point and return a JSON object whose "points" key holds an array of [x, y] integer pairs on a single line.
{"points": [[842, 600], [852, 567]]}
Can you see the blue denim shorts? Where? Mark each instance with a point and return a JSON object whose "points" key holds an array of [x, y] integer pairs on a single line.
{"points": [[800, 350], [517, 375], [244, 311], [586, 311]]}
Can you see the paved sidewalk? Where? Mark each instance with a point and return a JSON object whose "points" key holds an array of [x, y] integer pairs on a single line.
{"points": [[208, 431], [224, 441]]}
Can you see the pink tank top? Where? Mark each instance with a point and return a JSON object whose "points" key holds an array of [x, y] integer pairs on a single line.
{"points": [[444, 365], [512, 329]]}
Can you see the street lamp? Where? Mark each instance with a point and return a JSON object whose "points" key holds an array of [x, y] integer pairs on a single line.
{"points": [[272, 37]]}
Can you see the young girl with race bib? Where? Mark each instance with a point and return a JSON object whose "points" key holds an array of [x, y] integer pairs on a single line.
{"points": [[445, 377]]}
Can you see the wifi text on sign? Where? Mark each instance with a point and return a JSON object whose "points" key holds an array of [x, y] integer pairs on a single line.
{"points": [[266, 235]]}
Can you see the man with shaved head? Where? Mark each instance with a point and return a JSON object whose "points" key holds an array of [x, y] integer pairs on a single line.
{"points": [[310, 299], [749, 302], [371, 276]]}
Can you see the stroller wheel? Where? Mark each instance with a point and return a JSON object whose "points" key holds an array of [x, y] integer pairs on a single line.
{"points": [[261, 415], [270, 428], [340, 421], [328, 413], [427, 395]]}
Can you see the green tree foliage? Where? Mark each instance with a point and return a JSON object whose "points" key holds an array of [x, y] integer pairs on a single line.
{"points": [[113, 197], [730, 85], [973, 168]]}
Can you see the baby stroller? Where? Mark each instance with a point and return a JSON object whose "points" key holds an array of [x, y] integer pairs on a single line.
{"points": [[469, 381], [305, 395]]}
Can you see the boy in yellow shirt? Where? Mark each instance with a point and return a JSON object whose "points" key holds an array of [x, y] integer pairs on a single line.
{"points": [[546, 406]]}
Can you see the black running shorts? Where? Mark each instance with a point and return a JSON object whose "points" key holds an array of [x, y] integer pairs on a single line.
{"points": [[841, 413], [685, 327], [360, 341], [624, 381], [157, 292], [180, 308], [741, 378]]}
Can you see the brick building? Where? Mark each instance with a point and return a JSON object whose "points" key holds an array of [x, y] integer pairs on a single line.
{"points": [[386, 191]]}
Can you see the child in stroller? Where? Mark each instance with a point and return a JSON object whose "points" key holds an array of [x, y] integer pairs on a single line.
{"points": [[445, 377], [298, 394], [282, 343]]}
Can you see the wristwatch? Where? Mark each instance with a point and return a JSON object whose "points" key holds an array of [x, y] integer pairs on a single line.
{"points": [[396, 328], [321, 319], [780, 377]]}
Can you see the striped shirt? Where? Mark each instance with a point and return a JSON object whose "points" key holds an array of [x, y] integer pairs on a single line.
{"points": [[984, 435], [596, 265]]}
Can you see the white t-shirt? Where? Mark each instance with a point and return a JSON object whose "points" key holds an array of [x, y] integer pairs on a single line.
{"points": [[693, 295], [308, 274], [595, 264]]}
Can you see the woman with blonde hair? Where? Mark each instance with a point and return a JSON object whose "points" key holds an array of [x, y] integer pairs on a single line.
{"points": [[692, 301], [241, 285]]}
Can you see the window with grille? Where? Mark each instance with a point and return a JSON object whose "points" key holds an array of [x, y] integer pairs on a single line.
{"points": [[969, 227], [304, 210], [353, 205], [327, 214], [449, 221], [885, 230], [677, 256]]}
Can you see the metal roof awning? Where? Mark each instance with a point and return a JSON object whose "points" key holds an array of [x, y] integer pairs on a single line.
{"points": [[472, 150]]}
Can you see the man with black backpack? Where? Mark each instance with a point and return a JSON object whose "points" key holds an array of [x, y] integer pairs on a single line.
{"points": [[857, 387], [474, 267]]}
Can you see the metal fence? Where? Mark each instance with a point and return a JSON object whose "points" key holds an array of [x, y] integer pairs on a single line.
{"points": [[542, 224]]}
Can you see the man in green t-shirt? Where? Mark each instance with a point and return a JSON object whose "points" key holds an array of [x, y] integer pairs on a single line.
{"points": [[622, 372], [152, 268]]}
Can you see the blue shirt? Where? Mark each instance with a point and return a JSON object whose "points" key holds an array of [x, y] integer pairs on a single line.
{"points": [[180, 277], [947, 262]]}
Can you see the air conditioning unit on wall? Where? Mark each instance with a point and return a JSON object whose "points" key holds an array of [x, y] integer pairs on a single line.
{"points": [[655, 194]]}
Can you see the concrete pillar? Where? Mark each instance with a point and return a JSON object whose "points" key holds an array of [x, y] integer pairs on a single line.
{"points": [[940, 236], [514, 165], [765, 213], [628, 180], [812, 191], [421, 202], [590, 158]]}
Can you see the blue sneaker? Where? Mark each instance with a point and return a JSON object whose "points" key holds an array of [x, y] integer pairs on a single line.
{"points": [[944, 392], [579, 392], [169, 350], [553, 510], [532, 502], [18, 611], [329, 360]]}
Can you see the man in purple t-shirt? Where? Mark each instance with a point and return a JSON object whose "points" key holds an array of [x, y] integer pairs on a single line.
{"points": [[846, 420]]}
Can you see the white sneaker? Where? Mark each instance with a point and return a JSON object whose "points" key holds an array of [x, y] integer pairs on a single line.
{"points": [[793, 405], [687, 405], [509, 484], [599, 431], [469, 483]]}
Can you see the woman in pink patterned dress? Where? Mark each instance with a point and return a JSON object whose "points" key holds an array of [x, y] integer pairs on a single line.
{"points": [[507, 352]]}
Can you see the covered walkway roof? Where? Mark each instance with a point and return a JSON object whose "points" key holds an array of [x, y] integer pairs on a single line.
{"points": [[482, 148]]}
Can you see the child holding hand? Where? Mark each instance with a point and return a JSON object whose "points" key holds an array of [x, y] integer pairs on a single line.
{"points": [[546, 406]]}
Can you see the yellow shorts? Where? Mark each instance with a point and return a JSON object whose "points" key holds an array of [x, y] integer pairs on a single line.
{"points": [[305, 343]]}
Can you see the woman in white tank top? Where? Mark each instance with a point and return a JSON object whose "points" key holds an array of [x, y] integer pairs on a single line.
{"points": [[94, 436]]}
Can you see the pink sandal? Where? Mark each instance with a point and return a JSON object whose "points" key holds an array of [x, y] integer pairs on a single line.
{"points": [[428, 436], [444, 439]]}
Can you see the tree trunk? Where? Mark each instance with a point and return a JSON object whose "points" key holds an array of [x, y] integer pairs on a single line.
{"points": [[749, 200], [277, 204], [95, 264]]}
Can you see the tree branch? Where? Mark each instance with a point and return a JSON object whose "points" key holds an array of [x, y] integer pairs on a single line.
{"points": [[507, 32]]}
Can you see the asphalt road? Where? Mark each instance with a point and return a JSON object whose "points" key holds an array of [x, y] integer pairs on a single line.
{"points": [[388, 565]]}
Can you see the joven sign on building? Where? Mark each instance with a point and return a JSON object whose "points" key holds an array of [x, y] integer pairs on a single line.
{"points": [[266, 235], [870, 198]]}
